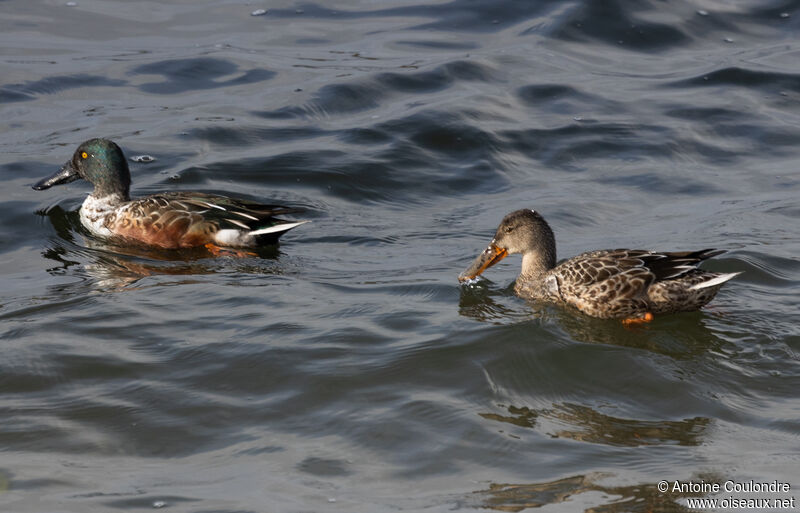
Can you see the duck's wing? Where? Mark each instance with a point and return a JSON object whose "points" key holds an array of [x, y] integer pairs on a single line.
{"points": [[601, 272], [188, 219], [614, 283], [216, 207], [596, 266]]}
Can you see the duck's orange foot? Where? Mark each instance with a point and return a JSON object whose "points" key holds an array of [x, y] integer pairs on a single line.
{"points": [[220, 251], [647, 317]]}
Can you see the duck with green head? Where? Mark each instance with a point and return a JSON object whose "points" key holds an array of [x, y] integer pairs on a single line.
{"points": [[169, 220], [631, 284]]}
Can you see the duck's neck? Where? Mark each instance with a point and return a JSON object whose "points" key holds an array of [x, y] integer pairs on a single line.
{"points": [[116, 184], [110, 201], [537, 262]]}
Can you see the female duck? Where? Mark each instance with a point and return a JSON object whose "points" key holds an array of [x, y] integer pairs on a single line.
{"points": [[169, 219], [630, 284]]}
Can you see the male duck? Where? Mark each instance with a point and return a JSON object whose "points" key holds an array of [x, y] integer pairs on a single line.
{"points": [[170, 219], [631, 284]]}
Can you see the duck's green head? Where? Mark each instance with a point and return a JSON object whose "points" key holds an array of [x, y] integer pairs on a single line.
{"points": [[98, 161]]}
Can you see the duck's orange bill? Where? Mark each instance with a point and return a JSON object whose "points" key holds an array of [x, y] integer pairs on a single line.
{"points": [[486, 259]]}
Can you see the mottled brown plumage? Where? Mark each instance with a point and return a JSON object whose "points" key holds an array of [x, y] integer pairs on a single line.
{"points": [[612, 283]]}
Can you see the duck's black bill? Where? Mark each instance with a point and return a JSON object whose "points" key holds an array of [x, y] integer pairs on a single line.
{"points": [[486, 259], [66, 174]]}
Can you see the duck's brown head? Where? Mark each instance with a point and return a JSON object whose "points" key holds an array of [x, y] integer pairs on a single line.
{"points": [[522, 231]]}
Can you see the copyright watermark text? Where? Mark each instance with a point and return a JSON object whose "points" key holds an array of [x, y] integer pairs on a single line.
{"points": [[759, 495]]}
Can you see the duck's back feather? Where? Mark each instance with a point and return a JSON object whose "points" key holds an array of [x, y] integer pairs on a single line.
{"points": [[625, 282]]}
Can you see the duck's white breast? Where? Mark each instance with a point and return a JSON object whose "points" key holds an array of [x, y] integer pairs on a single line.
{"points": [[93, 214]]}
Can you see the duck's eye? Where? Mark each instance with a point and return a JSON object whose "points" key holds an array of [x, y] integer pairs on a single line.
{"points": [[509, 229], [84, 155]]}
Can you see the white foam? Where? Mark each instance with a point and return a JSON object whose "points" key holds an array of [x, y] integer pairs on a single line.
{"points": [[471, 281]]}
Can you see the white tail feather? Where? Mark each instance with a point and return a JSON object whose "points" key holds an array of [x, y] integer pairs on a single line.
{"points": [[719, 280], [279, 228]]}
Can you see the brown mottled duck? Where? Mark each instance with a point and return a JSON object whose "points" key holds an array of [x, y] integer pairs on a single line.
{"points": [[628, 284]]}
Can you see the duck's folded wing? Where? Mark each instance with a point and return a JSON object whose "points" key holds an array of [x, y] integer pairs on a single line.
{"points": [[215, 206], [606, 275], [614, 281]]}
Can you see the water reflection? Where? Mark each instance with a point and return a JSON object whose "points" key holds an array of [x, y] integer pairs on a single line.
{"points": [[519, 416], [641, 498], [477, 302], [585, 424], [595, 427], [680, 336], [115, 266]]}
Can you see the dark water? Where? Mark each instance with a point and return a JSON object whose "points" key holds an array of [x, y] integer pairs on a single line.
{"points": [[347, 370]]}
